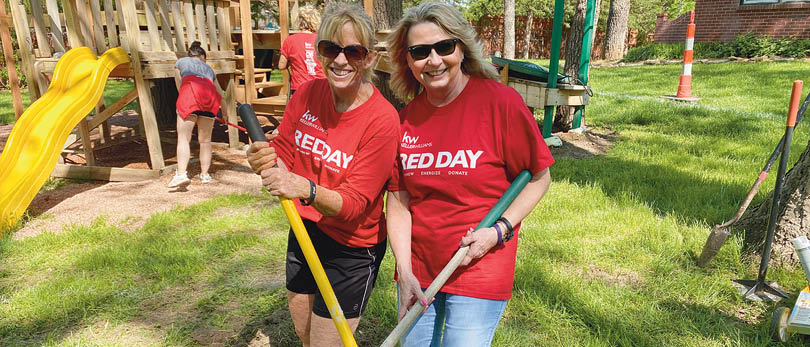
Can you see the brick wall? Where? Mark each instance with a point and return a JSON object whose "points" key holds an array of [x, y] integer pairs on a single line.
{"points": [[723, 20], [490, 32]]}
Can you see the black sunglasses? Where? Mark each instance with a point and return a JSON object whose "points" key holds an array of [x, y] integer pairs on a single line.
{"points": [[443, 48], [331, 50]]}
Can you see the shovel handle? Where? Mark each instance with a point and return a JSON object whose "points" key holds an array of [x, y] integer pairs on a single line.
{"points": [[256, 134]]}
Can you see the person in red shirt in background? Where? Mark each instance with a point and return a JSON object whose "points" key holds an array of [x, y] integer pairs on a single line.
{"points": [[298, 50], [464, 138], [335, 149]]}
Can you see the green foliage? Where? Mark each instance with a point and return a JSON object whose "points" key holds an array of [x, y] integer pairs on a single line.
{"points": [[745, 46]]}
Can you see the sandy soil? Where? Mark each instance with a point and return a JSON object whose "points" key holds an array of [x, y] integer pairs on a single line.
{"points": [[130, 204]]}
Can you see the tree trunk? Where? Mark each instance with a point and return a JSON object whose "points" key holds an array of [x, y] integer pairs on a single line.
{"points": [[527, 35], [616, 32], [509, 29], [386, 15], [573, 51], [792, 220]]}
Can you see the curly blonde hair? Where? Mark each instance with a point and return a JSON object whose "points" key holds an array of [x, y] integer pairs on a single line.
{"points": [[336, 15], [447, 17], [309, 18]]}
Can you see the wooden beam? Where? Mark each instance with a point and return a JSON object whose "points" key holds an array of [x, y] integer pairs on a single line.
{"points": [[10, 64], [179, 30], [210, 16], [84, 131], [26, 50], [39, 29], [113, 174], [75, 37], [98, 27], [82, 16], [369, 6], [284, 23], [114, 108], [55, 23], [247, 48], [166, 25], [229, 111], [166, 70], [144, 95]]}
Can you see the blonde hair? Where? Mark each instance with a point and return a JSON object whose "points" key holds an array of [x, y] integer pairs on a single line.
{"points": [[403, 83], [309, 18], [335, 16]]}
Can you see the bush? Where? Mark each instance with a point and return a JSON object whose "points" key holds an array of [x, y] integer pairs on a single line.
{"points": [[746, 46]]}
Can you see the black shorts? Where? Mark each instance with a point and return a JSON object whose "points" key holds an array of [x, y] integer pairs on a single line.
{"points": [[351, 271], [205, 114]]}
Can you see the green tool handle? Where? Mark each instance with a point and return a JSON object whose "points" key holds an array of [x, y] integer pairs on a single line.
{"points": [[494, 213]]}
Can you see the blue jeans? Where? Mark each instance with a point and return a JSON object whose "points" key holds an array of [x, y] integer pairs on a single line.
{"points": [[455, 320]]}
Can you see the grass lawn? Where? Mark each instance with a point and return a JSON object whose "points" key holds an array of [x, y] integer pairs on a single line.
{"points": [[606, 259]]}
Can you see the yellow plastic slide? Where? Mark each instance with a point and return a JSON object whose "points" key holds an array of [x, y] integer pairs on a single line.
{"points": [[37, 138]]}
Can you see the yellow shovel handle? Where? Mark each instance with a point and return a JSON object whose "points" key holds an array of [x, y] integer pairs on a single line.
{"points": [[317, 271]]}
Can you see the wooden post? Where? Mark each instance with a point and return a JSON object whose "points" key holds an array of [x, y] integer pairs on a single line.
{"points": [[26, 50], [84, 130], [12, 68], [75, 38], [369, 6], [144, 96], [284, 23], [247, 48], [229, 113]]}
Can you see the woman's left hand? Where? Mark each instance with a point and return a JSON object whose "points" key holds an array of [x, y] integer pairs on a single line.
{"points": [[480, 243], [285, 184]]}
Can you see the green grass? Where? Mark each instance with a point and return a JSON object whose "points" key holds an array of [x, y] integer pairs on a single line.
{"points": [[114, 90], [7, 105], [606, 259]]}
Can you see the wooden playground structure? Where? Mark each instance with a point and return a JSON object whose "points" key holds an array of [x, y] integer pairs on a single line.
{"points": [[155, 33]]}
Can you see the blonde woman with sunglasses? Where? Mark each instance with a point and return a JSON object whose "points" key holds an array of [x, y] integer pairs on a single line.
{"points": [[465, 137], [335, 149]]}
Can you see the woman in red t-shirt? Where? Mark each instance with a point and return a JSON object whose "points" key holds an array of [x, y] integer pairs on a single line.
{"points": [[298, 50], [336, 146], [464, 138]]}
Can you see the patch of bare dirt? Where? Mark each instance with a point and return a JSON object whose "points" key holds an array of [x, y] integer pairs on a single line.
{"points": [[130, 204], [619, 277], [594, 142]]}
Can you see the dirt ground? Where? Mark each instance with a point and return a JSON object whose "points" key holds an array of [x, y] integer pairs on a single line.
{"points": [[130, 204]]}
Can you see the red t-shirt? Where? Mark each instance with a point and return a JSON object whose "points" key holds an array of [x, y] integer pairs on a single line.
{"points": [[351, 153], [301, 55], [456, 161]]}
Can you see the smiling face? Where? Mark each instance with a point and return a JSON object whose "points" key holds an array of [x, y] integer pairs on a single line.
{"points": [[345, 75], [440, 75]]}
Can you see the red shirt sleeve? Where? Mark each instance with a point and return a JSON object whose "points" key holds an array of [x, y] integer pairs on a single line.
{"points": [[284, 143], [285, 47], [372, 165], [524, 147]]}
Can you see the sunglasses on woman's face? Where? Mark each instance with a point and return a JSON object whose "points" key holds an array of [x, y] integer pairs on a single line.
{"points": [[331, 50], [443, 48]]}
